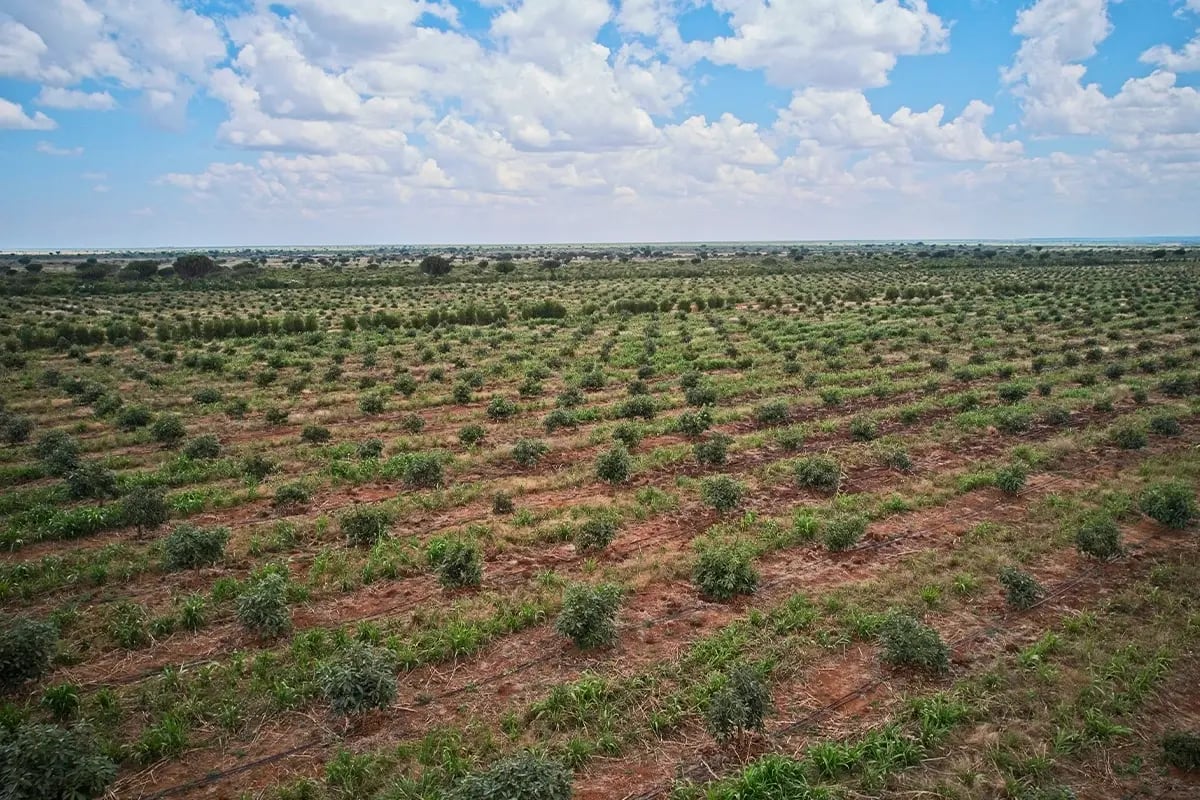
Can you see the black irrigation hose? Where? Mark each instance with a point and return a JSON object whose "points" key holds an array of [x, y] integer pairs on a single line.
{"points": [[219, 776]]}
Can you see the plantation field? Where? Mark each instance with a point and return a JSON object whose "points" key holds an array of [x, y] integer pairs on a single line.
{"points": [[840, 521]]}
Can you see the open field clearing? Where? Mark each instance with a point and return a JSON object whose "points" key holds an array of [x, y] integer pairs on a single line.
{"points": [[827, 523]]}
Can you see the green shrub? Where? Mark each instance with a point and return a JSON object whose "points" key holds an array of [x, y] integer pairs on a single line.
{"points": [[256, 467], [843, 531], [628, 434], [694, 423], [372, 403], [61, 700], [896, 458], [863, 429], [91, 480], [790, 439], [358, 679], [1182, 750], [614, 465], [458, 562], [26, 647], [145, 509], [773, 413], [130, 418], [528, 452], [1128, 436], [589, 614], [595, 534], [723, 571], [818, 472], [637, 407], [702, 394], [1171, 503], [502, 503], [168, 430], [190, 547], [722, 493], [1020, 588], [1010, 479], [1012, 392], [48, 762], [363, 526], [291, 494], [713, 451], [471, 435], [740, 705], [501, 408], [262, 605], [315, 434], [58, 452], [412, 423], [526, 776], [1099, 537], [1163, 425], [559, 418], [908, 642], [202, 448], [423, 470], [15, 428]]}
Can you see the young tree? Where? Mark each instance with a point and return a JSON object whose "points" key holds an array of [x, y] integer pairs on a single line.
{"points": [[194, 265], [435, 266]]}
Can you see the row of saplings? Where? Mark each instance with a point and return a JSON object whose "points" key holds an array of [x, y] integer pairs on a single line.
{"points": [[40, 760]]}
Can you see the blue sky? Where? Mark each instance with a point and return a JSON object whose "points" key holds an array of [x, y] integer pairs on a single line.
{"points": [[231, 122]]}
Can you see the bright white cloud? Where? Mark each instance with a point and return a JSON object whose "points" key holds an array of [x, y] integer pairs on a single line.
{"points": [[56, 97], [13, 117]]}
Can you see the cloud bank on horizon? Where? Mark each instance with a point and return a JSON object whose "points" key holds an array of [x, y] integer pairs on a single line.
{"points": [[162, 122]]}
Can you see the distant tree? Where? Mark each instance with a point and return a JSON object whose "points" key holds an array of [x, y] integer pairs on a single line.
{"points": [[194, 265], [505, 267], [33, 266], [434, 266], [93, 270], [140, 270]]}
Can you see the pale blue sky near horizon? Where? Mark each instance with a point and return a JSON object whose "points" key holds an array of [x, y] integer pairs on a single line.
{"points": [[233, 122]]}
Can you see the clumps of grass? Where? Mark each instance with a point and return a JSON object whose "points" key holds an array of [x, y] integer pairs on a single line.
{"points": [[1099, 537], [363, 526], [458, 562], [1011, 478], [360, 678], [191, 547], [1021, 589], [896, 458], [818, 472], [1170, 503], [863, 429], [528, 452], [740, 705], [525, 776], [724, 570], [614, 465], [908, 642], [27, 646], [595, 535], [262, 605], [722, 493], [1181, 749], [843, 531], [589, 614]]}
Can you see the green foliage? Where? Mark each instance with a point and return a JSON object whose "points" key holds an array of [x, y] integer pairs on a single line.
{"points": [[713, 451], [458, 562], [262, 605], [694, 423], [315, 434], [722, 493], [190, 547], [723, 571], [614, 465], [528, 452], [48, 762], [256, 467], [526, 776], [471, 435], [1164, 425], [360, 678], [908, 642], [863, 429], [203, 447], [501, 408], [772, 413], [364, 525], [843, 531], [595, 534], [91, 480], [58, 452], [589, 614], [15, 428], [435, 265], [1171, 503], [628, 434], [168, 430], [740, 705], [1099, 537], [1010, 479], [818, 472], [637, 407], [145, 509], [1128, 436], [1181, 749], [130, 418], [422, 470], [291, 494], [61, 700], [1021, 589], [26, 648], [502, 503]]}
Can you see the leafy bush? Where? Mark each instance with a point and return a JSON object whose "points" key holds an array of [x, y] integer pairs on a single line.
{"points": [[471, 435], [773, 413], [262, 605], [843, 531], [702, 394], [589, 614], [168, 430], [1020, 588], [740, 705], [595, 534], [1099, 537], [422, 469], [26, 647], [130, 418], [145, 509], [559, 418], [1163, 425], [190, 547], [723, 571], [202, 448], [614, 465], [15, 428], [1128, 436], [364, 525], [358, 679], [863, 429], [694, 423], [61, 700], [1182, 750], [502, 503], [722, 492], [526, 776], [1010, 479], [501, 408], [1171, 503], [637, 407], [58, 452], [528, 452], [458, 562], [315, 434], [908, 642], [257, 467], [412, 423], [818, 472], [291, 494], [48, 762], [1012, 392], [628, 434], [91, 480], [713, 451], [372, 403]]}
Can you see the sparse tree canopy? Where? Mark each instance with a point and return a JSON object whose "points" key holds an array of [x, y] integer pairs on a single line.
{"points": [[434, 266], [194, 265]]}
